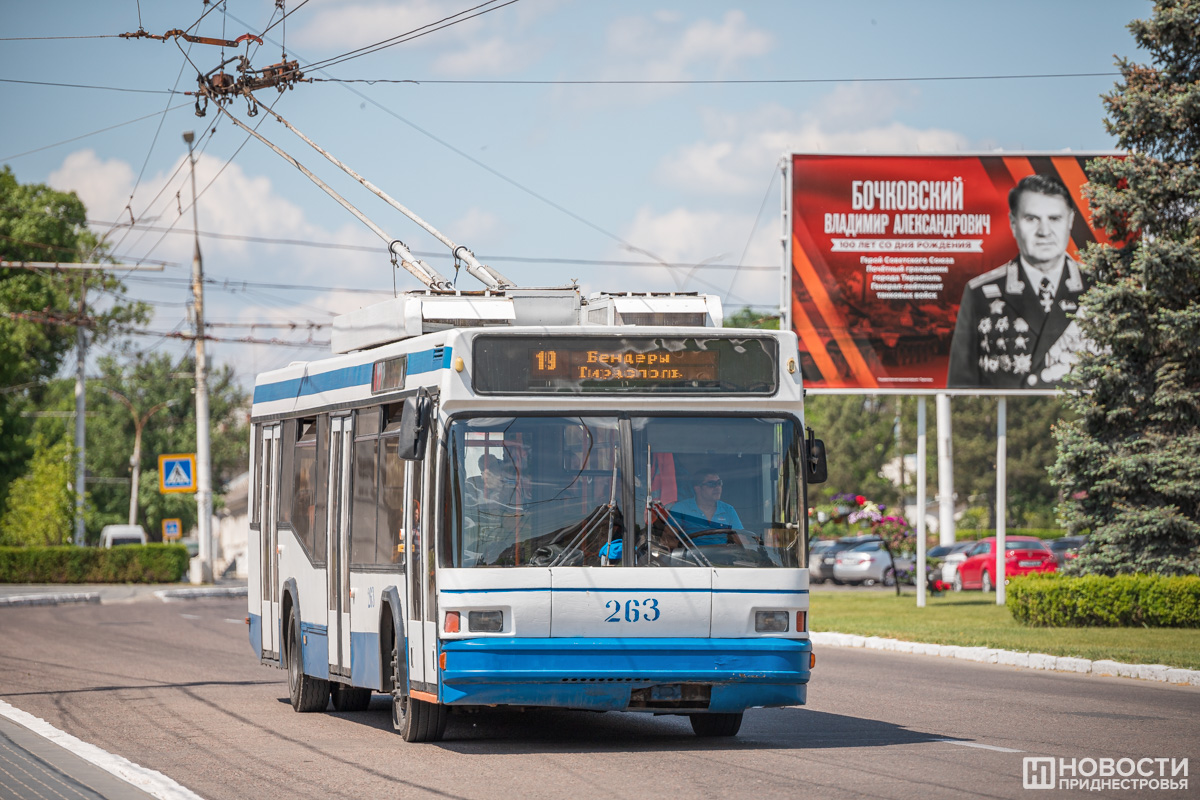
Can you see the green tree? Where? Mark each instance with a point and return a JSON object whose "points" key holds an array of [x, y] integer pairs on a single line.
{"points": [[39, 309], [749, 318], [1128, 466], [149, 381], [859, 436], [40, 504]]}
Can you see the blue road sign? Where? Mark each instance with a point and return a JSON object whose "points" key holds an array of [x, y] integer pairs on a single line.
{"points": [[177, 473]]}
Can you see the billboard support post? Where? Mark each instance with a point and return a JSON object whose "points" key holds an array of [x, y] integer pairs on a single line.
{"points": [[945, 472], [1001, 494], [921, 566]]}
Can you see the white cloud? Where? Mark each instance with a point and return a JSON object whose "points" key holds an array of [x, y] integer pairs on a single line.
{"points": [[741, 149], [655, 49], [694, 238], [473, 226], [490, 44], [103, 186]]}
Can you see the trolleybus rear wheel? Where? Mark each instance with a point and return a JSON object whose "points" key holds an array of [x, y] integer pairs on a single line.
{"points": [[350, 698], [716, 724], [307, 693], [416, 720]]}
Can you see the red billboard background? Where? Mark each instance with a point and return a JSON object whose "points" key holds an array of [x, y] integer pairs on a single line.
{"points": [[882, 247]]}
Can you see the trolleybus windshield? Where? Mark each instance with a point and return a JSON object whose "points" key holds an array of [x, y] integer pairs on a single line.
{"points": [[595, 491]]}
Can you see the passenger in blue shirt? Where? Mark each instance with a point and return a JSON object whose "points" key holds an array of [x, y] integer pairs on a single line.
{"points": [[705, 511]]}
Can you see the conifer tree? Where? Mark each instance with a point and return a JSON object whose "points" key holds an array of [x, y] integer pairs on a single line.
{"points": [[1128, 468]]}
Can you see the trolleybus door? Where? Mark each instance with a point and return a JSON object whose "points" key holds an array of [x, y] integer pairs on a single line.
{"points": [[268, 497], [338, 562], [414, 543]]}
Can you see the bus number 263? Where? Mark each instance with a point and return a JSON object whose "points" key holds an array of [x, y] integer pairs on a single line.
{"points": [[646, 610]]}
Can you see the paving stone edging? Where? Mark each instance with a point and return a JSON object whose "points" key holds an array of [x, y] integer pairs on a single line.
{"points": [[987, 655], [168, 595], [50, 599]]}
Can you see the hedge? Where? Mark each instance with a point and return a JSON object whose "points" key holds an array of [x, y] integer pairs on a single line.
{"points": [[131, 563], [1155, 601], [969, 534]]}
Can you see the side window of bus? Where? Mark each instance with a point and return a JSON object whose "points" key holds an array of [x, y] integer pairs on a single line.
{"points": [[304, 485], [389, 547], [287, 449], [363, 512]]}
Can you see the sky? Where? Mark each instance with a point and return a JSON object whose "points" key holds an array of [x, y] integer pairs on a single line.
{"points": [[487, 132]]}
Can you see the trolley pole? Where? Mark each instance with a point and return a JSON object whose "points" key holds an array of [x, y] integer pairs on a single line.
{"points": [[201, 572]]}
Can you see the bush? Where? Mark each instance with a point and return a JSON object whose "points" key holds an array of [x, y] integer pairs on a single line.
{"points": [[971, 535], [1153, 601], [131, 563]]}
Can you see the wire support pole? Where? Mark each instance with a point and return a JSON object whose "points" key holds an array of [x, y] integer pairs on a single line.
{"points": [[204, 571], [419, 269], [486, 275]]}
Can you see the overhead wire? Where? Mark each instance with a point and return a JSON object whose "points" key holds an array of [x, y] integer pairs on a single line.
{"points": [[408, 36], [88, 86], [723, 81], [85, 135]]}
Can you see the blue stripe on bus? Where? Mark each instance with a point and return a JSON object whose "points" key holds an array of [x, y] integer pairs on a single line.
{"points": [[360, 375], [715, 591]]}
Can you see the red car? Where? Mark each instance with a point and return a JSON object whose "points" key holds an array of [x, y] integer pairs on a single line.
{"points": [[1023, 554]]}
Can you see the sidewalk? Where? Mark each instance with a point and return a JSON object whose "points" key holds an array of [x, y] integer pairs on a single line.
{"points": [[30, 594]]}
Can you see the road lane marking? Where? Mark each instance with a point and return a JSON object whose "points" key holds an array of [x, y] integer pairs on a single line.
{"points": [[978, 745], [191, 616], [153, 783]]}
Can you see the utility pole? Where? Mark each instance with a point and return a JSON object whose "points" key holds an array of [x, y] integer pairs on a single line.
{"points": [[80, 410], [203, 572]]}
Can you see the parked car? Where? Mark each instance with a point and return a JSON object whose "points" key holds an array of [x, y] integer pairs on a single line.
{"points": [[820, 566], [113, 535], [1066, 548], [868, 563], [954, 555], [1023, 554]]}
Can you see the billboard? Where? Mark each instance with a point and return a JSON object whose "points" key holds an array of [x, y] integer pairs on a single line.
{"points": [[909, 274]]}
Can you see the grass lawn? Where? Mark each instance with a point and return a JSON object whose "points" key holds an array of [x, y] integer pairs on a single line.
{"points": [[974, 620]]}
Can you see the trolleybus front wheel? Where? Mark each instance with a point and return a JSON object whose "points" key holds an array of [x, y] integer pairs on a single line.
{"points": [[307, 693], [416, 720], [708, 725]]}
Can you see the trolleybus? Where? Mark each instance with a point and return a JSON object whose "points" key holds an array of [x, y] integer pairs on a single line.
{"points": [[530, 498]]}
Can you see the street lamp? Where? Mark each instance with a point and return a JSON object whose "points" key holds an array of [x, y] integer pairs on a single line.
{"points": [[135, 461]]}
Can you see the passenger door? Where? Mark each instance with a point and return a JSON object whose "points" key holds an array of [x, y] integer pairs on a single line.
{"points": [[268, 497], [338, 561]]}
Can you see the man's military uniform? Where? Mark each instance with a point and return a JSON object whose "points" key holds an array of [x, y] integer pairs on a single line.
{"points": [[1009, 337]]}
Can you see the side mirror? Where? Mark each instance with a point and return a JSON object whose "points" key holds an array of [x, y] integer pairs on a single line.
{"points": [[414, 426], [816, 469]]}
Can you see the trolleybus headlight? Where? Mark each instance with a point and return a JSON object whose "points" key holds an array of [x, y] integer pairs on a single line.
{"points": [[485, 621], [771, 621]]}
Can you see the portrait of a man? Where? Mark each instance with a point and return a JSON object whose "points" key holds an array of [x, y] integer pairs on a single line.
{"points": [[1016, 326]]}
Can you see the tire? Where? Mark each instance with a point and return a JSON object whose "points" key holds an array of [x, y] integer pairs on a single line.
{"points": [[350, 698], [957, 582], [889, 577], [416, 720], [986, 582], [714, 725], [307, 694]]}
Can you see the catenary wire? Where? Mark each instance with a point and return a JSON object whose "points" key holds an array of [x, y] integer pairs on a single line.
{"points": [[89, 86], [730, 81], [85, 135]]}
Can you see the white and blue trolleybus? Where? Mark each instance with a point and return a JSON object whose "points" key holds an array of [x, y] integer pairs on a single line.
{"points": [[531, 498]]}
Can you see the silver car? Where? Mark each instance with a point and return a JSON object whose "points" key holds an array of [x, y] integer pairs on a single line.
{"points": [[867, 564]]}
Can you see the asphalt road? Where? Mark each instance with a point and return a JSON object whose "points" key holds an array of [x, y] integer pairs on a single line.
{"points": [[174, 687]]}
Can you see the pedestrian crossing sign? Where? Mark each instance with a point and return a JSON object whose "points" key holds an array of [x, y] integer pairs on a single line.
{"points": [[172, 529], [177, 473]]}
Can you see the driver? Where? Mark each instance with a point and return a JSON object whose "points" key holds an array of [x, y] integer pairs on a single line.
{"points": [[705, 511]]}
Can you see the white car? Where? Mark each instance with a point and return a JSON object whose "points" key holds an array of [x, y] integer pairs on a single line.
{"points": [[950, 562], [868, 564], [113, 535]]}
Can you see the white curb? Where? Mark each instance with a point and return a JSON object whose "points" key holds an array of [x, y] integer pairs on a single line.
{"points": [[987, 655], [49, 599], [167, 595]]}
